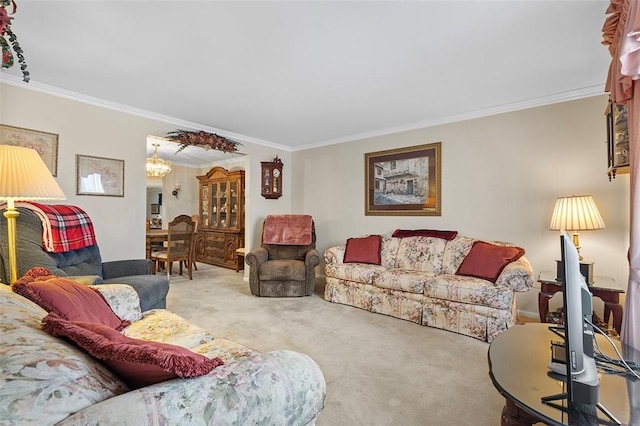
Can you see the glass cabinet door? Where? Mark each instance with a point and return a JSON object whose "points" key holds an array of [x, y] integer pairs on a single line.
{"points": [[223, 222], [233, 204], [620, 136], [617, 139], [214, 204], [205, 206]]}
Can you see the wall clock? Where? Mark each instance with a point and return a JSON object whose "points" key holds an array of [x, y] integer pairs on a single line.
{"points": [[271, 177]]}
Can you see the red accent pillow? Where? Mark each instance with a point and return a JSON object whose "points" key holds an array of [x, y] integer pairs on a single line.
{"points": [[138, 362], [363, 250], [67, 298], [445, 235], [487, 261]]}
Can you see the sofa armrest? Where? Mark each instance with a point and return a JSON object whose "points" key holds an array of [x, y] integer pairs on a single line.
{"points": [[280, 387], [335, 254], [123, 299], [311, 258], [85, 279], [123, 268], [518, 275], [256, 256]]}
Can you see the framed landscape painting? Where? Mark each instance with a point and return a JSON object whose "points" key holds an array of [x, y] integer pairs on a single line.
{"points": [[404, 181], [99, 176], [45, 143]]}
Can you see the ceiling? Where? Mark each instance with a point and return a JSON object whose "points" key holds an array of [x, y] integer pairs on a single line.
{"points": [[301, 74], [191, 156]]}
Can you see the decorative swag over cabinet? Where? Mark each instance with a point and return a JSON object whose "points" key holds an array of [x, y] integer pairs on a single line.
{"points": [[221, 217]]}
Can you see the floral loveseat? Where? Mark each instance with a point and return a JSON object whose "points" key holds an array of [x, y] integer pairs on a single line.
{"points": [[434, 278], [45, 380]]}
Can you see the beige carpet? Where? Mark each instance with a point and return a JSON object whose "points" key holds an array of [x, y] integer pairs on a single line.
{"points": [[379, 370]]}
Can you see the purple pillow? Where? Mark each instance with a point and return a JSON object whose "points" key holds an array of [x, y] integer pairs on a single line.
{"points": [[67, 298], [137, 362], [487, 261], [363, 250]]}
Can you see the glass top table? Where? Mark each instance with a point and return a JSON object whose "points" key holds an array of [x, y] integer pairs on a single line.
{"points": [[518, 368]]}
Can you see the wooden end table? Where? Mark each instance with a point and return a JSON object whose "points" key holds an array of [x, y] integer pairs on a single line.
{"points": [[605, 288]]}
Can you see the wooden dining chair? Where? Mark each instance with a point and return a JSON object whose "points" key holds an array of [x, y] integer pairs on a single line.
{"points": [[195, 219], [179, 245]]}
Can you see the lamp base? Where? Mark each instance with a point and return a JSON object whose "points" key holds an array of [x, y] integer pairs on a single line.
{"points": [[11, 214], [586, 269]]}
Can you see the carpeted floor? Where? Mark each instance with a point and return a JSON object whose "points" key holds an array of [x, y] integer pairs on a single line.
{"points": [[379, 370]]}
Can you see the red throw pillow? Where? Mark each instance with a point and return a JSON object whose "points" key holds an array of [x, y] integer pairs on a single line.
{"points": [[67, 298], [363, 250], [445, 235], [138, 362], [487, 261]]}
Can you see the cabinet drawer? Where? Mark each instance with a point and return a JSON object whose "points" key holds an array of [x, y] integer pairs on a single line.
{"points": [[214, 237]]}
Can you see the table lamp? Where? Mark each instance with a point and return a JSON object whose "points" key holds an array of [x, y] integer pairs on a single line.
{"points": [[576, 213], [23, 177]]}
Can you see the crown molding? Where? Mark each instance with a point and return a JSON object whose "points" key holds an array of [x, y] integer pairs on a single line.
{"points": [[90, 100], [500, 109], [585, 92]]}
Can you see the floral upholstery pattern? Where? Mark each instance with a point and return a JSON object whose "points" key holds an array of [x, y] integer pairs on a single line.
{"points": [[45, 380], [402, 279], [246, 392], [123, 299], [42, 379], [421, 254], [417, 281]]}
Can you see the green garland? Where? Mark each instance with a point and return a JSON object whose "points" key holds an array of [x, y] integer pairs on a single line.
{"points": [[6, 46], [202, 139]]}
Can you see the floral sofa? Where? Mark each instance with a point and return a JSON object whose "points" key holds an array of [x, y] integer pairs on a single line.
{"points": [[45, 380], [434, 278]]}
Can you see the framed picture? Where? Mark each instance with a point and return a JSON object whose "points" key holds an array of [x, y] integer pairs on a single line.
{"points": [[403, 182], [155, 208], [99, 176], [45, 143]]}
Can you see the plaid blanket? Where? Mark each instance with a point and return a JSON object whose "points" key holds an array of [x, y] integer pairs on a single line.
{"points": [[64, 227]]}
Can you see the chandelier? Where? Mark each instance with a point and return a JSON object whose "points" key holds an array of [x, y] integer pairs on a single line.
{"points": [[157, 167]]}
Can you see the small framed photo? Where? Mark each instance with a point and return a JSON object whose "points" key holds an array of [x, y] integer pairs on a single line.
{"points": [[45, 143], [99, 176], [155, 208], [403, 181]]}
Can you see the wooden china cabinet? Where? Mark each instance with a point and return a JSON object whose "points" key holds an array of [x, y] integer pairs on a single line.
{"points": [[221, 222]]}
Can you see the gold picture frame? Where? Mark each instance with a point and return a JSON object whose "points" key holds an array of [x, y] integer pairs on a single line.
{"points": [[46, 144], [99, 176], [404, 181]]}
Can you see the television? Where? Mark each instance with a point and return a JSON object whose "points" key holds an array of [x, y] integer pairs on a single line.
{"points": [[580, 373], [578, 331]]}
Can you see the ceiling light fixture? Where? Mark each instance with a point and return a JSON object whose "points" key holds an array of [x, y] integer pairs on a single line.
{"points": [[157, 167]]}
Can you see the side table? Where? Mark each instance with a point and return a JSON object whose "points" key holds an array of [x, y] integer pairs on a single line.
{"points": [[605, 288]]}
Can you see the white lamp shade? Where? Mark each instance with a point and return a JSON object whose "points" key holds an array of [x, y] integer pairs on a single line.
{"points": [[24, 176], [576, 213]]}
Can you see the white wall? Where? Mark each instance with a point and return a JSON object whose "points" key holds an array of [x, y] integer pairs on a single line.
{"points": [[500, 178]]}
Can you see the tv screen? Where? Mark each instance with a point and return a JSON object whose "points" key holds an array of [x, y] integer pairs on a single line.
{"points": [[578, 332]]}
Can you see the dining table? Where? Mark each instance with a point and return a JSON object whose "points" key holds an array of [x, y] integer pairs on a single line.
{"points": [[155, 236]]}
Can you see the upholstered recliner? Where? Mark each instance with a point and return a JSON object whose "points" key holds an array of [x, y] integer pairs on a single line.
{"points": [[152, 290], [285, 263]]}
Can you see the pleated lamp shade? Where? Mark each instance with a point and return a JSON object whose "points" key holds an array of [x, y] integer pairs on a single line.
{"points": [[25, 177], [576, 213]]}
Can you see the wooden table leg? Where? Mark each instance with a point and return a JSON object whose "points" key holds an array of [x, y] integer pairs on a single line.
{"points": [[546, 292], [611, 305], [512, 415], [543, 305]]}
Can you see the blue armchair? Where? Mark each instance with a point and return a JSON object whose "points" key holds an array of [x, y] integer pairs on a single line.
{"points": [[152, 289]]}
